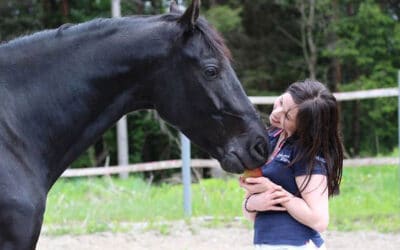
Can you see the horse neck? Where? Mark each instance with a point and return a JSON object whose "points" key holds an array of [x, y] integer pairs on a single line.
{"points": [[79, 86]]}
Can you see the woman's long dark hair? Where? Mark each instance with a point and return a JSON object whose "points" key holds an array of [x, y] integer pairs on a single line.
{"points": [[318, 130]]}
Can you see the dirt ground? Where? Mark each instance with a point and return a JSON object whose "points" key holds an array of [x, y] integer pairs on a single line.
{"points": [[181, 236]]}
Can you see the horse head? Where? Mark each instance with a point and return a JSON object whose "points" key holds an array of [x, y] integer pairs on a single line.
{"points": [[203, 97]]}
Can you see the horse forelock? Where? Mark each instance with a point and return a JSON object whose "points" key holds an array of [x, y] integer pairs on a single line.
{"points": [[211, 36]]}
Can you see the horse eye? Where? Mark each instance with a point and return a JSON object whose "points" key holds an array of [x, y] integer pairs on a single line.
{"points": [[211, 72]]}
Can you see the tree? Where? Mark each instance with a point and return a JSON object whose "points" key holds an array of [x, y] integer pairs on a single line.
{"points": [[308, 43], [368, 51]]}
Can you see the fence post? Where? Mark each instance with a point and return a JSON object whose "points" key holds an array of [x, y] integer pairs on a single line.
{"points": [[122, 124], [122, 141], [186, 176], [398, 117]]}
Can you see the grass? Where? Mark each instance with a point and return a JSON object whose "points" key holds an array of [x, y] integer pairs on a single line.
{"points": [[370, 200]]}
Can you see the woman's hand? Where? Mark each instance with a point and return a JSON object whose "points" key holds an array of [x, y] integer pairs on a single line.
{"points": [[269, 200], [257, 185]]}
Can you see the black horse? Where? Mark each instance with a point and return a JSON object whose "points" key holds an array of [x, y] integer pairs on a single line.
{"points": [[61, 89]]}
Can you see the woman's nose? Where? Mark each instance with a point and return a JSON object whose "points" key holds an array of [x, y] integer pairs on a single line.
{"points": [[277, 110]]}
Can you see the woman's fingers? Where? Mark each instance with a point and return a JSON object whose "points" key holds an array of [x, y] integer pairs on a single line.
{"points": [[259, 184], [277, 196], [281, 200], [264, 181], [254, 180], [270, 200], [277, 208], [278, 193]]}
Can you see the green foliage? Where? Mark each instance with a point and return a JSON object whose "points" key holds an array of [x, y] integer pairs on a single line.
{"points": [[369, 54], [85, 10], [365, 41], [224, 18], [105, 204], [268, 54], [17, 19], [147, 141]]}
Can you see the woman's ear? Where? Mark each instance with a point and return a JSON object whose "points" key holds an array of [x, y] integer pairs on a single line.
{"points": [[189, 18]]}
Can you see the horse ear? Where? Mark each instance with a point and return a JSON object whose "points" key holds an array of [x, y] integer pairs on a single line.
{"points": [[173, 7], [191, 14]]}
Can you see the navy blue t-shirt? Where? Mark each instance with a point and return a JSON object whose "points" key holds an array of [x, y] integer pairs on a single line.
{"points": [[279, 227]]}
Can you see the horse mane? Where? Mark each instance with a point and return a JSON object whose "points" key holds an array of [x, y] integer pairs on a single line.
{"points": [[210, 35], [92, 25]]}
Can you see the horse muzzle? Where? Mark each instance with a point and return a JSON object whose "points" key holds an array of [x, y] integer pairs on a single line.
{"points": [[236, 158]]}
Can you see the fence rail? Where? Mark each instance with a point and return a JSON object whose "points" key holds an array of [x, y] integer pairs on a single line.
{"points": [[198, 163], [340, 96]]}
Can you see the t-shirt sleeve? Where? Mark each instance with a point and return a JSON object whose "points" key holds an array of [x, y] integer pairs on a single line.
{"points": [[300, 167]]}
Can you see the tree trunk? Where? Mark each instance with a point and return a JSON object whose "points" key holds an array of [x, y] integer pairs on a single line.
{"points": [[337, 69], [65, 9], [307, 37]]}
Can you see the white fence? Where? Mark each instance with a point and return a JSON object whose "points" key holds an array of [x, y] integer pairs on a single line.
{"points": [[341, 96], [199, 163]]}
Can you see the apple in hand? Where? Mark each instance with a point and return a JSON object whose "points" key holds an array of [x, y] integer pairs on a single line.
{"points": [[257, 172]]}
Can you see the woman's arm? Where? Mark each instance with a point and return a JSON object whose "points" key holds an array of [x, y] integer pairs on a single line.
{"points": [[269, 198], [312, 209], [251, 216]]}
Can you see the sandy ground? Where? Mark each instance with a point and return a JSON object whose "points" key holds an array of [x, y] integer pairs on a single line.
{"points": [[182, 236]]}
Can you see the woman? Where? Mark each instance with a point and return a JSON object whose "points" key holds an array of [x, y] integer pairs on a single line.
{"points": [[289, 204]]}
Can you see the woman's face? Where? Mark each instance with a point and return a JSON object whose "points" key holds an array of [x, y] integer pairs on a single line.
{"points": [[284, 114]]}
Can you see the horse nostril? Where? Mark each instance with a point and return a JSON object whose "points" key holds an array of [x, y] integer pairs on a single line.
{"points": [[261, 149]]}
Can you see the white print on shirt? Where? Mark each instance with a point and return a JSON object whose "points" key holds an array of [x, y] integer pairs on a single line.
{"points": [[320, 159], [283, 158]]}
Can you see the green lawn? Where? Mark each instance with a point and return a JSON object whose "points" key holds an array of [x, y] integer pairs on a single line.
{"points": [[370, 200]]}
